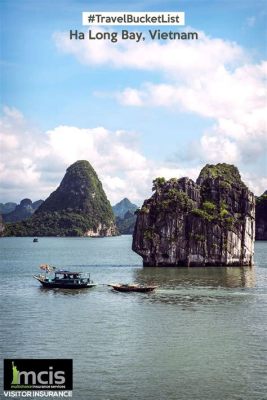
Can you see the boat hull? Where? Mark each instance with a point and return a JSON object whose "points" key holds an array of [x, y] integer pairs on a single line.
{"points": [[61, 285], [133, 289]]}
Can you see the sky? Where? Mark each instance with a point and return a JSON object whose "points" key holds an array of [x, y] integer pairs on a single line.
{"points": [[135, 111]]}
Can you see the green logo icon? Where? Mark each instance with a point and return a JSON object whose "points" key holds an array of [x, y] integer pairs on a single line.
{"points": [[15, 380]]}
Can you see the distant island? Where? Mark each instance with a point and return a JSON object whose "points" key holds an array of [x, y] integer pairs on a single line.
{"points": [[124, 212], [78, 207], [20, 212], [261, 217], [6, 208], [2, 226], [210, 222]]}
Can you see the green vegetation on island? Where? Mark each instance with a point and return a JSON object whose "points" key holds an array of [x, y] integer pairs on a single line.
{"points": [[207, 222], [224, 172], [78, 207]]}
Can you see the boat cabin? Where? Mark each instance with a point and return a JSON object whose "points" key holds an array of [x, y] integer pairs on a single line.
{"points": [[71, 277]]}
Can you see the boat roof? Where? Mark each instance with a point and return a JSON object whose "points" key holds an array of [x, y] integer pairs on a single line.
{"points": [[61, 271]]}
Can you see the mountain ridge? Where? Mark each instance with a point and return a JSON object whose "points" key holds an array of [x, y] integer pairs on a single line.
{"points": [[124, 212], [22, 211]]}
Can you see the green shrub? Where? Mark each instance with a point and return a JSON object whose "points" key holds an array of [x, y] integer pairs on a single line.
{"points": [[224, 213], [158, 183], [209, 207], [198, 212]]}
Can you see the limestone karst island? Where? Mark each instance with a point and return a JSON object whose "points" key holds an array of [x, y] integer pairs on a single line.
{"points": [[184, 223], [78, 207], [210, 222]]}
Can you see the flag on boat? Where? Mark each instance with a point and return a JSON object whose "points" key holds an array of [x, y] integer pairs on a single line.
{"points": [[47, 267]]}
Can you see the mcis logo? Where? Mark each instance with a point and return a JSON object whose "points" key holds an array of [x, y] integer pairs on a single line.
{"points": [[31, 374]]}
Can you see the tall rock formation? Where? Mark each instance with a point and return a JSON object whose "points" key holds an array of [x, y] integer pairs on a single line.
{"points": [[78, 207], [261, 217], [210, 222]]}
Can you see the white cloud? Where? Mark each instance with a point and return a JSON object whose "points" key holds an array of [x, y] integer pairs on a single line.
{"points": [[18, 152], [214, 149], [256, 182], [130, 97], [237, 101], [210, 77], [35, 162], [175, 57], [13, 113]]}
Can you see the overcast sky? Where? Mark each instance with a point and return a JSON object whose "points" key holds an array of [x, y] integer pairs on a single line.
{"points": [[134, 110]]}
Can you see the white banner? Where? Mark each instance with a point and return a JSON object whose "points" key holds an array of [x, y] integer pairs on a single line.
{"points": [[94, 18]]}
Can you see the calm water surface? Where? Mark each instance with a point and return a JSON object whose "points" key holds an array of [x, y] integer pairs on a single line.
{"points": [[200, 336]]}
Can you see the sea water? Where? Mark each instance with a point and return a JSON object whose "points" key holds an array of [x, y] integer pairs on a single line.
{"points": [[200, 336]]}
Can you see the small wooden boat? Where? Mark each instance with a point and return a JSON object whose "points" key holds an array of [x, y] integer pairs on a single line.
{"points": [[64, 279], [132, 288]]}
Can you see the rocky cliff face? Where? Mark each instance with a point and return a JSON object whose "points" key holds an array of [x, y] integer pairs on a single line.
{"points": [[261, 217], [78, 207], [210, 222]]}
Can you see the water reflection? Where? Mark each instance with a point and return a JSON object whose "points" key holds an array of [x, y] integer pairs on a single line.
{"points": [[64, 292], [225, 277], [191, 287]]}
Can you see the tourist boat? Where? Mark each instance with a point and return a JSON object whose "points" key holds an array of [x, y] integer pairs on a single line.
{"points": [[64, 279], [132, 288]]}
